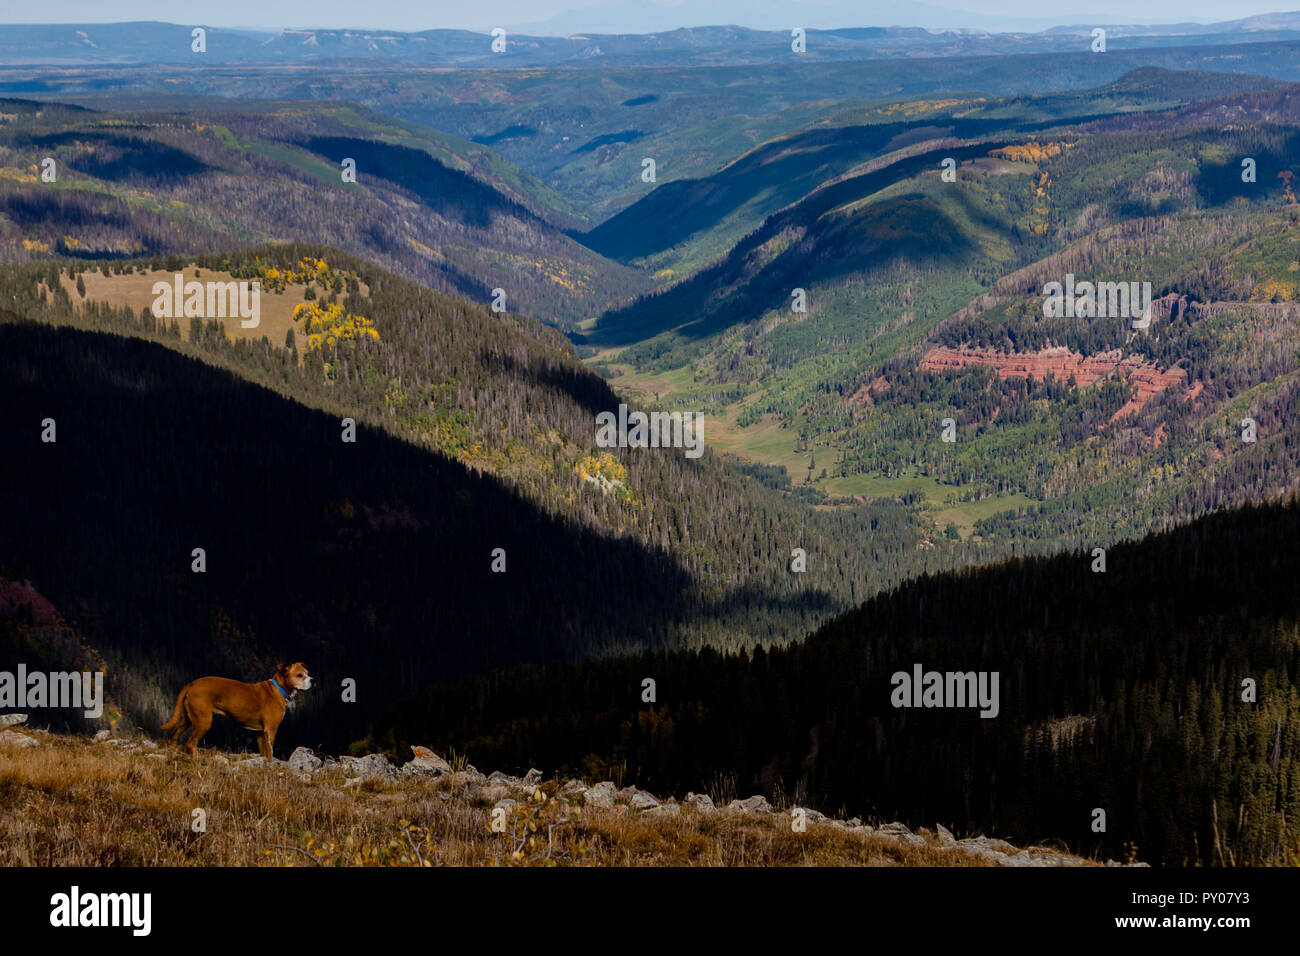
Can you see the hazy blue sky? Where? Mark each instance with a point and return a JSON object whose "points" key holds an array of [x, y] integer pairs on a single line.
{"points": [[563, 16]]}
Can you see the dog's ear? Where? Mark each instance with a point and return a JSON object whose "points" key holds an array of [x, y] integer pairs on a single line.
{"points": [[282, 667]]}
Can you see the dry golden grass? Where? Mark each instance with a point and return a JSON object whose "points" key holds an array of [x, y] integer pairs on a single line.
{"points": [[72, 801], [136, 291]]}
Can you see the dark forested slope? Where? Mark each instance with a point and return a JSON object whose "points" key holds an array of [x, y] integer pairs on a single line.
{"points": [[1124, 690]]}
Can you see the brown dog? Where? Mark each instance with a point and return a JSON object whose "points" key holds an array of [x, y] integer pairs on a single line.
{"points": [[253, 706]]}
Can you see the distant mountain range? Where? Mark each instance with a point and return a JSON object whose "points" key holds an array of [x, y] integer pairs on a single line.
{"points": [[149, 42], [634, 16]]}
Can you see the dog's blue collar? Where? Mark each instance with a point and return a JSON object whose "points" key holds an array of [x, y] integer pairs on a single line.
{"points": [[281, 690]]}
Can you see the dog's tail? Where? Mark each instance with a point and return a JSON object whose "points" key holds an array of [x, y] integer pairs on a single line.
{"points": [[178, 715]]}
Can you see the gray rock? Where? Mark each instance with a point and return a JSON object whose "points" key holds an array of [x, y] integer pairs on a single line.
{"points": [[988, 843], [755, 804], [258, 761], [663, 810], [901, 833], [573, 788], [11, 720], [369, 767], [497, 777], [425, 763], [699, 802], [506, 803], [643, 801], [304, 761], [532, 778], [945, 835], [102, 735], [812, 816], [148, 744], [601, 795], [18, 740]]}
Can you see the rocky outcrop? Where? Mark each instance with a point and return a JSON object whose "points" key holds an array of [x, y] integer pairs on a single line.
{"points": [[1147, 378], [575, 798], [699, 802], [304, 761], [370, 767], [755, 804], [601, 795], [425, 763]]}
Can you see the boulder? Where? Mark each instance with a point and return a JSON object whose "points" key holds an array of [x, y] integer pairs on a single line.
{"points": [[425, 763], [532, 778], [988, 843], [369, 767], [945, 835], [102, 735], [755, 804], [700, 802], [13, 738], [643, 801], [304, 761], [258, 761], [11, 720], [496, 776], [901, 833], [573, 788], [601, 795]]}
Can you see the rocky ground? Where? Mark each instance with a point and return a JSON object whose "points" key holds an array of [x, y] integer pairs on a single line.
{"points": [[426, 811]]}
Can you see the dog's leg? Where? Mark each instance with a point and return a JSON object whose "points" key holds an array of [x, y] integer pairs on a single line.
{"points": [[182, 724], [266, 743], [201, 723]]}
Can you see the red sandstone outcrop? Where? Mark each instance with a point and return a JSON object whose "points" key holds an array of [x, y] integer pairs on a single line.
{"points": [[1062, 363]]}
